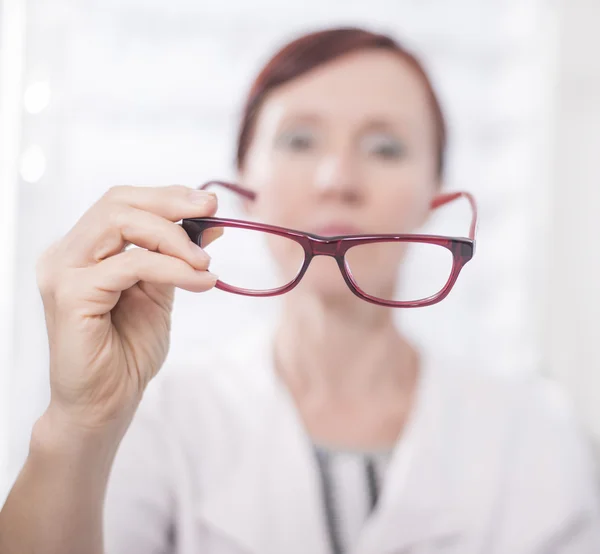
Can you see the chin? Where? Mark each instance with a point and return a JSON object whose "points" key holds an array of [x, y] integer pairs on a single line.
{"points": [[326, 291], [324, 277]]}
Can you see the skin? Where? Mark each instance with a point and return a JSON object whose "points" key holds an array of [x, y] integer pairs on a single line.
{"points": [[108, 309], [108, 315], [349, 146]]}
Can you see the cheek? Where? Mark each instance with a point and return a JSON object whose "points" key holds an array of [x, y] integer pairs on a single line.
{"points": [[282, 192], [280, 204], [288, 255], [401, 208], [400, 193]]}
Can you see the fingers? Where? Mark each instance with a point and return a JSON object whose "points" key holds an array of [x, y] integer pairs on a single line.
{"points": [[124, 213], [173, 203], [97, 289], [90, 262], [124, 270], [149, 231]]}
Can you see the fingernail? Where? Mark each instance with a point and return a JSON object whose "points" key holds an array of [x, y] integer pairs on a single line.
{"points": [[212, 278], [202, 198]]}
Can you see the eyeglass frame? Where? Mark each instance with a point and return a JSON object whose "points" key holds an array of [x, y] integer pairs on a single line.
{"points": [[462, 248]]}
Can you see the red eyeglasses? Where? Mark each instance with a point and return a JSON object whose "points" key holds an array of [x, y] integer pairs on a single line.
{"points": [[364, 260]]}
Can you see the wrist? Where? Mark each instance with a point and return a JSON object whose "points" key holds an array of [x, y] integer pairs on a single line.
{"points": [[59, 435]]}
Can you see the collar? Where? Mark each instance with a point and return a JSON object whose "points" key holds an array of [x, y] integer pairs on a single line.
{"points": [[271, 502]]}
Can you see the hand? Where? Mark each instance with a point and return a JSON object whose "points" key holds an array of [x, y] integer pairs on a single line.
{"points": [[108, 309]]}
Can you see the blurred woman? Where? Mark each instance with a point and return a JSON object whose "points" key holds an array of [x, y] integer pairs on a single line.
{"points": [[330, 432]]}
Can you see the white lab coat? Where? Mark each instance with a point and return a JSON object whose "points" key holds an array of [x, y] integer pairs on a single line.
{"points": [[217, 462]]}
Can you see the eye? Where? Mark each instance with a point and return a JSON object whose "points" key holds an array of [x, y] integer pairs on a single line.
{"points": [[297, 140], [384, 146]]}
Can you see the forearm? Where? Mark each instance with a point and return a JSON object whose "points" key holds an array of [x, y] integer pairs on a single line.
{"points": [[55, 506]]}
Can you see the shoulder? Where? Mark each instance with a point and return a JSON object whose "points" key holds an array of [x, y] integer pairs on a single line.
{"points": [[521, 411], [527, 406], [523, 446], [184, 434]]}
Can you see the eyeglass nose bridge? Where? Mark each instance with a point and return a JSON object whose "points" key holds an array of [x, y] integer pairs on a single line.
{"points": [[324, 247]]}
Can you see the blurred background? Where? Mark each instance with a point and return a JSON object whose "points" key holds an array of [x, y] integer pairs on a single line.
{"points": [[99, 93]]}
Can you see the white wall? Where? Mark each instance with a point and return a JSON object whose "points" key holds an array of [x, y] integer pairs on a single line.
{"points": [[572, 333], [12, 42], [148, 92]]}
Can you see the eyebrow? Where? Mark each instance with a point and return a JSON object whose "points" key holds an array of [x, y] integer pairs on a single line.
{"points": [[376, 123], [386, 124], [301, 118]]}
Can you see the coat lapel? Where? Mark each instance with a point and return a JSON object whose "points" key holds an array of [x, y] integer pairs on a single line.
{"points": [[417, 505], [271, 503]]}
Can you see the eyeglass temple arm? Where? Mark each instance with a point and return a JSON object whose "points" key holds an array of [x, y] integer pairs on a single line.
{"points": [[443, 199], [438, 201], [242, 191]]}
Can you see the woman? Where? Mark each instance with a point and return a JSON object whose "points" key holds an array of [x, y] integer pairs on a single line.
{"points": [[330, 433]]}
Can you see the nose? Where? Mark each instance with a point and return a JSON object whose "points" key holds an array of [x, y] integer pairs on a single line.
{"points": [[337, 176]]}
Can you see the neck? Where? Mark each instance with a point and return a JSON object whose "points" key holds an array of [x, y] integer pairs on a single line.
{"points": [[348, 349]]}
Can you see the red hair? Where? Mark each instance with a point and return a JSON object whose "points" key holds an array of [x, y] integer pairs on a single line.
{"points": [[315, 49]]}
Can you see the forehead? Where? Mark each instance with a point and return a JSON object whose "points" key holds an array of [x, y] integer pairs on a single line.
{"points": [[367, 84]]}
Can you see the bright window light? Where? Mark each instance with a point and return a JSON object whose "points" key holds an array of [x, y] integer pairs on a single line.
{"points": [[33, 164], [37, 97]]}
